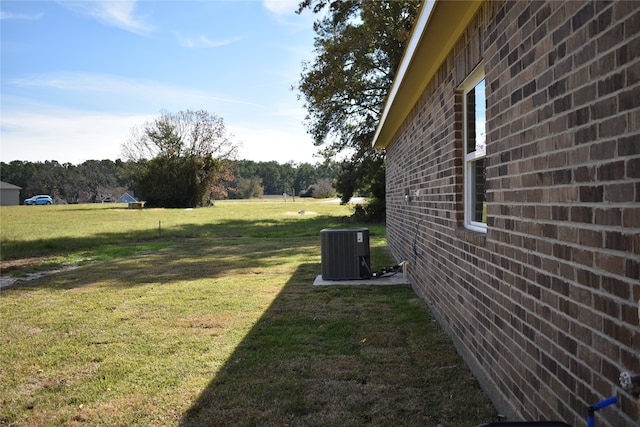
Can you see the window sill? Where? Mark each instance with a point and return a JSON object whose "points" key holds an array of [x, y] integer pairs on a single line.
{"points": [[476, 237]]}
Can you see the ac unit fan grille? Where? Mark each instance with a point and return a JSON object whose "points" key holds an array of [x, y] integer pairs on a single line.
{"points": [[345, 253]]}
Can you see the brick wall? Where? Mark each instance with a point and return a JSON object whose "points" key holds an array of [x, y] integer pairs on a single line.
{"points": [[544, 307]]}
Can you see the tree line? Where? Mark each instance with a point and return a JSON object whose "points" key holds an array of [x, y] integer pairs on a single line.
{"points": [[99, 180]]}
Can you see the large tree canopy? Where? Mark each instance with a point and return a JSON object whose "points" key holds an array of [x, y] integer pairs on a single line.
{"points": [[182, 156], [358, 45]]}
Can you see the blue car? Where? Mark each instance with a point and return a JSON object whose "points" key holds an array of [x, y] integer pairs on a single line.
{"points": [[39, 200]]}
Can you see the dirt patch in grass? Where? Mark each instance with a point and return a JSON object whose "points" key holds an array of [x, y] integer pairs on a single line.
{"points": [[209, 323], [6, 281], [300, 213], [22, 264]]}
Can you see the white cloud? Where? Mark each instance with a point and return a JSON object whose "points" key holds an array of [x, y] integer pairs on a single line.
{"points": [[22, 16], [68, 136], [265, 143], [119, 14], [203, 41], [281, 7]]}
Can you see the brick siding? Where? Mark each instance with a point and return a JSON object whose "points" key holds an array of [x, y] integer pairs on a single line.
{"points": [[544, 306]]}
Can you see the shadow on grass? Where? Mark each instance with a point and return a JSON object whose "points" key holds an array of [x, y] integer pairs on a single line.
{"points": [[186, 261], [349, 355], [303, 226], [111, 245], [186, 252]]}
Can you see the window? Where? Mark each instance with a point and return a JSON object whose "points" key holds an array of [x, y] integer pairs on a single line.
{"points": [[474, 134]]}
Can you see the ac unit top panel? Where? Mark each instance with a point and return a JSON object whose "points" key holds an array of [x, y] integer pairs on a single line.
{"points": [[342, 230]]}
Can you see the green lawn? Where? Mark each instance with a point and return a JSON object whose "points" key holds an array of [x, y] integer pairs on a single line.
{"points": [[208, 317]]}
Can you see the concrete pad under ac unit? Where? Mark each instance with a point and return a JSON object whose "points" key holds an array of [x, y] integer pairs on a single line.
{"points": [[396, 279]]}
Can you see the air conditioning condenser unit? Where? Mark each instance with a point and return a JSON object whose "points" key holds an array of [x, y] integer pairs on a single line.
{"points": [[345, 253]]}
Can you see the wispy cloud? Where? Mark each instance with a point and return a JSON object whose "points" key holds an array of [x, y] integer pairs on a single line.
{"points": [[151, 93], [281, 7], [22, 16], [202, 41], [284, 13], [119, 14]]}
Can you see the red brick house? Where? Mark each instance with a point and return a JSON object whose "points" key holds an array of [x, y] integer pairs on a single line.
{"points": [[512, 135]]}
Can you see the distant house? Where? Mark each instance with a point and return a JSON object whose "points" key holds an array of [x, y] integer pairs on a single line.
{"points": [[512, 138], [126, 198], [9, 194]]}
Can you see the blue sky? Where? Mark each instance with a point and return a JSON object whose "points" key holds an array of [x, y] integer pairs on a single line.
{"points": [[76, 76]]}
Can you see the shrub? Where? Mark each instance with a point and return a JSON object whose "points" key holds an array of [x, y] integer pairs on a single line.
{"points": [[323, 189]]}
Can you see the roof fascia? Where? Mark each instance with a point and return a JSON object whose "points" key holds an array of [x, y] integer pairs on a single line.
{"points": [[438, 27]]}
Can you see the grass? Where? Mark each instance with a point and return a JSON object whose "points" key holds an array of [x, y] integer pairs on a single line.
{"points": [[43, 237], [213, 321]]}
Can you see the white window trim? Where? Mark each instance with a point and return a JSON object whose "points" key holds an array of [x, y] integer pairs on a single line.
{"points": [[476, 76]]}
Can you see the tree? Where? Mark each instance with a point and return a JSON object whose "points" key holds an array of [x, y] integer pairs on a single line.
{"points": [[288, 174], [249, 188], [270, 172], [291, 178], [359, 45], [71, 183], [98, 176], [306, 176], [323, 189], [126, 173], [50, 178], [18, 173], [222, 183], [180, 155]]}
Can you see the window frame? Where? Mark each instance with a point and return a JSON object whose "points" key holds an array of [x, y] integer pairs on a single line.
{"points": [[470, 159]]}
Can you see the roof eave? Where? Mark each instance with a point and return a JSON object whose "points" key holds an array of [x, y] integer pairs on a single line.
{"points": [[438, 27]]}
